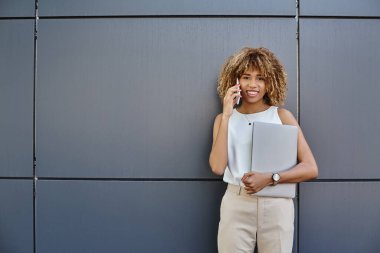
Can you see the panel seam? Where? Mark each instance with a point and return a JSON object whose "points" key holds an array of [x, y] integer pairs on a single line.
{"points": [[34, 122]]}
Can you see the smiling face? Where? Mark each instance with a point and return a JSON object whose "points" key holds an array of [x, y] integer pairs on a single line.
{"points": [[252, 85]]}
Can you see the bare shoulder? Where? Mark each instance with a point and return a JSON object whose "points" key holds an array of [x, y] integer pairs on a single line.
{"points": [[217, 121], [218, 118], [287, 117]]}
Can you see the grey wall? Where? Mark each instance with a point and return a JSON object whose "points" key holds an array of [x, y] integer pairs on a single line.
{"points": [[150, 95], [16, 98], [125, 98], [339, 89], [16, 215]]}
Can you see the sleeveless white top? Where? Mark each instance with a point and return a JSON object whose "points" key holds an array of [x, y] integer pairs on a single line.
{"points": [[240, 141]]}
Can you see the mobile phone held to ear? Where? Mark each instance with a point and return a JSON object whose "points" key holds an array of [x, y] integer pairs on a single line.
{"points": [[238, 99]]}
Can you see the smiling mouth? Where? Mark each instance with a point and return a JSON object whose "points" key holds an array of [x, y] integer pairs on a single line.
{"points": [[251, 93]]}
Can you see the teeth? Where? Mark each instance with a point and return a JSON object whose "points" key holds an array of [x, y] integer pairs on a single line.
{"points": [[252, 92]]}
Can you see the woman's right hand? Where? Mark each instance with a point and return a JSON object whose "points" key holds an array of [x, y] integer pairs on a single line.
{"points": [[230, 99]]}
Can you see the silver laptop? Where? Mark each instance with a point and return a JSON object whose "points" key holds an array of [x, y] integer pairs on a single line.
{"points": [[274, 149]]}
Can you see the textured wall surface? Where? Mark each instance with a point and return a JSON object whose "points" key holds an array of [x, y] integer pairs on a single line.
{"points": [[138, 106], [339, 89], [116, 100], [16, 98]]}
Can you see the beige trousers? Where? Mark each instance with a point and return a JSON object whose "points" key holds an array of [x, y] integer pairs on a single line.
{"points": [[246, 219]]}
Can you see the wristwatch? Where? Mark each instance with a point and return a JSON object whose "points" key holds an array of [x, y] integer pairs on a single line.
{"points": [[275, 178]]}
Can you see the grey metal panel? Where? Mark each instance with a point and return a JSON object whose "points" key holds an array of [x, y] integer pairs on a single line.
{"points": [[16, 216], [16, 98], [340, 8], [165, 7], [19, 8], [137, 97], [339, 95], [117, 216], [340, 217]]}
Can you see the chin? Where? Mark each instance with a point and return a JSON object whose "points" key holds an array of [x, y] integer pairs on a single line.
{"points": [[254, 100]]}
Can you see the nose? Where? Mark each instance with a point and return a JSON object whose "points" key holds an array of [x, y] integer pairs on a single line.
{"points": [[252, 84]]}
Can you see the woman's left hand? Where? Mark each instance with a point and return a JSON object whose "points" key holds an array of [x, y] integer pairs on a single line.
{"points": [[255, 181]]}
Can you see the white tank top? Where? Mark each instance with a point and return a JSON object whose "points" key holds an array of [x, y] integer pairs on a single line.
{"points": [[240, 141]]}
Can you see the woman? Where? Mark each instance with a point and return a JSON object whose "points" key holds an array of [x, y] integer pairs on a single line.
{"points": [[245, 218]]}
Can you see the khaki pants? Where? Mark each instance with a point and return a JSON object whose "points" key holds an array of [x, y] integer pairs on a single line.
{"points": [[246, 219]]}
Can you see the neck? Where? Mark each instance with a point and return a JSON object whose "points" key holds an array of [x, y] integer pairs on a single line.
{"points": [[253, 108]]}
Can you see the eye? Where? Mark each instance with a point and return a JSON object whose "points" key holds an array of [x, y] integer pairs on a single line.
{"points": [[260, 78], [246, 78]]}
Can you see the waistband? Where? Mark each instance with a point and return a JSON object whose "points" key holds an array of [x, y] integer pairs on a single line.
{"points": [[239, 190]]}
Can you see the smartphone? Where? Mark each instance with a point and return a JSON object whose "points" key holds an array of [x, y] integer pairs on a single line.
{"points": [[238, 100]]}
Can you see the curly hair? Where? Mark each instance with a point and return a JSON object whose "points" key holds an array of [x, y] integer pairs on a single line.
{"points": [[263, 61]]}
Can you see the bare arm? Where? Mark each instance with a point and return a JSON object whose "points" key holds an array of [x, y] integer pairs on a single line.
{"points": [[306, 169], [219, 156]]}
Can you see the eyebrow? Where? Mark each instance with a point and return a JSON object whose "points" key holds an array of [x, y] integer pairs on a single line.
{"points": [[250, 75]]}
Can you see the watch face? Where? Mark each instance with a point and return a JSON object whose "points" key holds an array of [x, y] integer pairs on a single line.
{"points": [[276, 177]]}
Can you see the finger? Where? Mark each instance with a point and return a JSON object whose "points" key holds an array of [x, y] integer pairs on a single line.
{"points": [[235, 99], [245, 176], [235, 88], [248, 174], [245, 180], [236, 96], [249, 190], [248, 183], [230, 96]]}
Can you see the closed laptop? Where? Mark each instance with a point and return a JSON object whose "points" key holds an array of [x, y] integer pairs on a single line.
{"points": [[274, 149]]}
